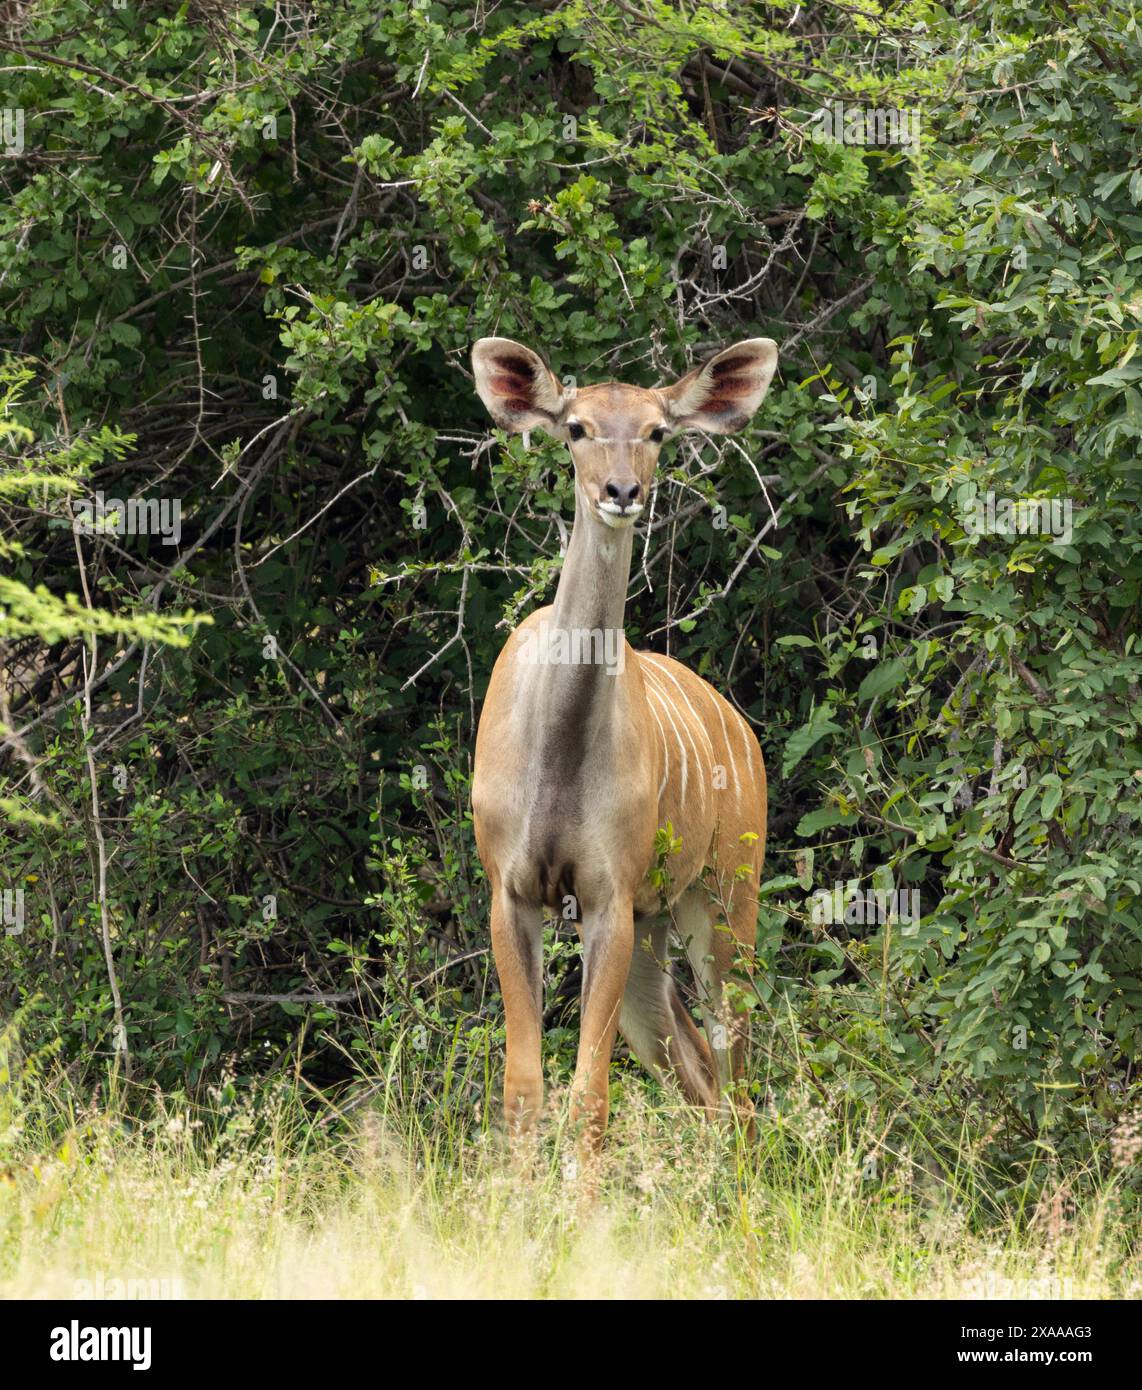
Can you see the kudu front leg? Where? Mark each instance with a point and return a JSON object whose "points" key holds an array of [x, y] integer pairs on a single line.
{"points": [[517, 944], [608, 944]]}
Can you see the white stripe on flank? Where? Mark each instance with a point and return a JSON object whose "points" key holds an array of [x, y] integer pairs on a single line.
{"points": [[668, 710], [666, 672], [690, 736], [665, 750], [729, 751], [746, 735], [670, 715]]}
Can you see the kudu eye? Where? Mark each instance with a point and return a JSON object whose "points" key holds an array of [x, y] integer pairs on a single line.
{"points": [[576, 430], [657, 436]]}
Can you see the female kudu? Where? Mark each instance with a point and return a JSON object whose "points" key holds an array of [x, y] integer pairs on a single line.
{"points": [[580, 761]]}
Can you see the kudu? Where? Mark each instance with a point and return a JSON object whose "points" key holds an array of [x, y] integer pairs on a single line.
{"points": [[579, 762]]}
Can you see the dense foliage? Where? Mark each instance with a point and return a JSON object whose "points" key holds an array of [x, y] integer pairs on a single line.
{"points": [[245, 252]]}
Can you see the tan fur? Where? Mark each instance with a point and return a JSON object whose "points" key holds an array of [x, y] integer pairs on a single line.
{"points": [[578, 767]]}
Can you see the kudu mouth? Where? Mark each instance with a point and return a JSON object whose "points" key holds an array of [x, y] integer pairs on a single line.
{"points": [[619, 518]]}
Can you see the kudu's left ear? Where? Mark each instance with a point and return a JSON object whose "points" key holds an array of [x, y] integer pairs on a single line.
{"points": [[516, 385], [722, 394]]}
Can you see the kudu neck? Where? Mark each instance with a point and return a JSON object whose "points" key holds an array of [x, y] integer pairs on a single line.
{"points": [[592, 592]]}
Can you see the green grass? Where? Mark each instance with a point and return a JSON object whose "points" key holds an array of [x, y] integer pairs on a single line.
{"points": [[413, 1197]]}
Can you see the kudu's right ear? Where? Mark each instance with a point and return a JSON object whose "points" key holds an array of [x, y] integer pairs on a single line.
{"points": [[517, 386]]}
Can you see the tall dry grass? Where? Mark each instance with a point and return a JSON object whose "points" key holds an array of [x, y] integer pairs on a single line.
{"points": [[414, 1197]]}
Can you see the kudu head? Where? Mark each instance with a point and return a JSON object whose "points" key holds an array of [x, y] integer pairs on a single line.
{"points": [[614, 432]]}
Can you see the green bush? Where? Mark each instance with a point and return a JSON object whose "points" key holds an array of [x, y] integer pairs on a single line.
{"points": [[244, 260]]}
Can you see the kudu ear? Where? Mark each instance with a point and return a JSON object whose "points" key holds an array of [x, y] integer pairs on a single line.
{"points": [[722, 394], [516, 385]]}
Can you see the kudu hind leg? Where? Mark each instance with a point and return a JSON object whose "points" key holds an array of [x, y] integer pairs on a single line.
{"points": [[714, 949], [517, 944], [657, 1025]]}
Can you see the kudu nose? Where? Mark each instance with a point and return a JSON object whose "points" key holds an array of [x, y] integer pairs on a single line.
{"points": [[624, 493]]}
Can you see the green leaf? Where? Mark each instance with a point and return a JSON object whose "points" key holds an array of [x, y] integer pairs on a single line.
{"points": [[883, 677], [813, 821], [802, 740]]}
